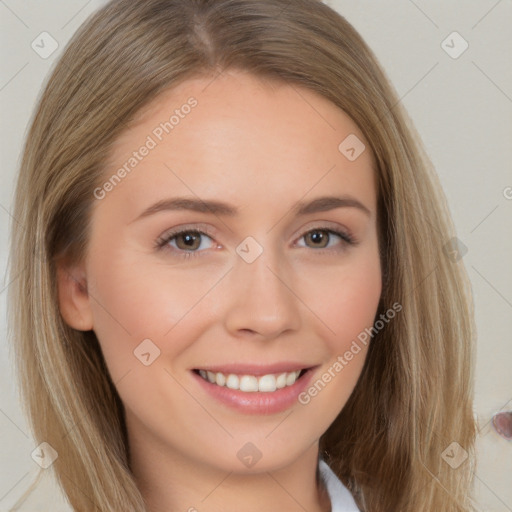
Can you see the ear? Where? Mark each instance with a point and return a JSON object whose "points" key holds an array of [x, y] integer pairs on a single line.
{"points": [[74, 300]]}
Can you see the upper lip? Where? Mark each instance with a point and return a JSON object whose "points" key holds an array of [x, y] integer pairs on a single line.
{"points": [[255, 369]]}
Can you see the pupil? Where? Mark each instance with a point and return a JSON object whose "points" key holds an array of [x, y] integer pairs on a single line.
{"points": [[189, 239], [317, 236]]}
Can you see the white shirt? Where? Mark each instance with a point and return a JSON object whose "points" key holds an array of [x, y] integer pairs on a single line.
{"points": [[341, 499]]}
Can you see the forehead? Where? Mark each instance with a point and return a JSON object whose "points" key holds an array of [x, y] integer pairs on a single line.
{"points": [[241, 135]]}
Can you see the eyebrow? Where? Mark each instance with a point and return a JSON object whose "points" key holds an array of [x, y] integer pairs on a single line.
{"points": [[321, 204]]}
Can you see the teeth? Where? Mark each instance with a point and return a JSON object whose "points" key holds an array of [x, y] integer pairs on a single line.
{"points": [[267, 383], [291, 378], [232, 382], [248, 383], [251, 383], [220, 379], [281, 381]]}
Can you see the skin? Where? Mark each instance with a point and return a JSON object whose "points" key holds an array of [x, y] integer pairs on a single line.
{"points": [[260, 147]]}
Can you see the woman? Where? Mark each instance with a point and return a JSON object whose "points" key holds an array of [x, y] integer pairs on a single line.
{"points": [[185, 339]]}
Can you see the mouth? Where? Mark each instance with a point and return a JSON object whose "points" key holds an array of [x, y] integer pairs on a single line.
{"points": [[255, 389], [248, 383]]}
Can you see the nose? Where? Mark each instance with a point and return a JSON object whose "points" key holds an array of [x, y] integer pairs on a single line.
{"points": [[261, 298]]}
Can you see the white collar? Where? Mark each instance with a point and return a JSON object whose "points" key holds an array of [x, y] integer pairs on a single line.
{"points": [[341, 499]]}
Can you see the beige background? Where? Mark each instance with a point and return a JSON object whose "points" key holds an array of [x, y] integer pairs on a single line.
{"points": [[462, 108]]}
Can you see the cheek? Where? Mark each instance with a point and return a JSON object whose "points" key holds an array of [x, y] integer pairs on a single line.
{"points": [[346, 302], [353, 308], [348, 316], [347, 299], [133, 301]]}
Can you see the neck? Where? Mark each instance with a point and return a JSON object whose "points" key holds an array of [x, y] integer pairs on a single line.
{"points": [[169, 480]]}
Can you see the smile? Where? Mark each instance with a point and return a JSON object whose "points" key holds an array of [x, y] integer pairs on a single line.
{"points": [[252, 383], [255, 389]]}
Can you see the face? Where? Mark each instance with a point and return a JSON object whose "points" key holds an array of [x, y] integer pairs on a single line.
{"points": [[241, 242]]}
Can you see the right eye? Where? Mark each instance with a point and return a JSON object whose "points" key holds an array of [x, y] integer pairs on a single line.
{"points": [[188, 241]]}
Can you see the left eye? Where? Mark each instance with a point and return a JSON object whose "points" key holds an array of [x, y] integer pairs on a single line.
{"points": [[324, 237]]}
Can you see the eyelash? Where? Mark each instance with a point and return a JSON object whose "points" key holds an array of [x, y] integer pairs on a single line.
{"points": [[161, 243]]}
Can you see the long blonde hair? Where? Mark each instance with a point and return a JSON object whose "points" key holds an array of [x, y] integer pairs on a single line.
{"points": [[414, 396]]}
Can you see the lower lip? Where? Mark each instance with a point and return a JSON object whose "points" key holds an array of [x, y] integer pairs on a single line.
{"points": [[257, 402]]}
